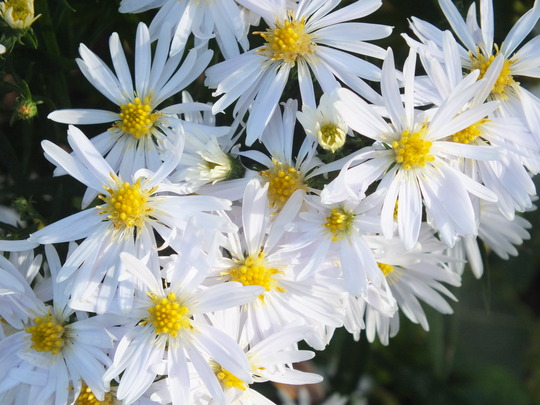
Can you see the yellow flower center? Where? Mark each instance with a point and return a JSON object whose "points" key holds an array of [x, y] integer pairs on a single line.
{"points": [[254, 271], [137, 117], [412, 150], [283, 181], [87, 397], [287, 41], [20, 9], [339, 223], [386, 268], [47, 334], [469, 134], [505, 79], [167, 315], [331, 137], [127, 205], [227, 379]]}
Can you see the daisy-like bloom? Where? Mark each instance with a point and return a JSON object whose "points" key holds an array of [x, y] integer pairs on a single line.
{"points": [[55, 350], [478, 51], [166, 329], [18, 14], [413, 275], [264, 258], [412, 159], [337, 233], [287, 170], [132, 210], [139, 127], [497, 233], [305, 35], [206, 19], [271, 360], [325, 123], [506, 177]]}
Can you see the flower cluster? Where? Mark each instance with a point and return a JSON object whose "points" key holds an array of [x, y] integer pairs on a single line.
{"points": [[203, 254]]}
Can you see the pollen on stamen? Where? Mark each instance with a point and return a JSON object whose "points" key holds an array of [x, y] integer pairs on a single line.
{"points": [[387, 269], [287, 41], [283, 181], [137, 118], [87, 397], [168, 315], [226, 378], [253, 270], [470, 134], [47, 334], [505, 79], [126, 204], [339, 223], [412, 150]]}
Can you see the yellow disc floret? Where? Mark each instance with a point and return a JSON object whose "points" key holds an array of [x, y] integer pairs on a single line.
{"points": [[127, 204], [386, 268], [412, 150], [87, 397], [505, 79], [47, 334], [137, 118], [287, 41], [226, 378], [331, 137], [168, 315], [18, 14], [469, 134], [254, 271], [283, 181], [339, 223]]}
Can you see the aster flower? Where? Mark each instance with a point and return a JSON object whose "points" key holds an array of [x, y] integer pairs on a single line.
{"points": [[260, 255], [136, 138], [55, 352], [478, 51], [151, 205], [412, 159], [305, 35], [167, 327], [221, 19], [413, 275], [18, 14]]}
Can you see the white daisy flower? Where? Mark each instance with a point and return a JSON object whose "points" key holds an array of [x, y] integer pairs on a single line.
{"points": [[166, 328], [55, 352], [306, 35], [478, 51], [412, 158], [325, 123], [413, 275], [136, 138], [506, 177], [132, 211], [256, 257], [207, 19]]}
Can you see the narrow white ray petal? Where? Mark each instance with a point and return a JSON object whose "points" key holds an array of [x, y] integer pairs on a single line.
{"points": [[83, 116]]}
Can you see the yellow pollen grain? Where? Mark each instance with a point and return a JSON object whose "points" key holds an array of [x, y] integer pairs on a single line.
{"points": [[227, 379], [167, 315], [283, 181], [47, 335], [254, 271], [137, 118], [87, 397], [469, 134], [386, 268], [287, 41], [339, 223], [126, 205], [505, 79], [412, 150]]}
